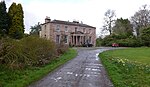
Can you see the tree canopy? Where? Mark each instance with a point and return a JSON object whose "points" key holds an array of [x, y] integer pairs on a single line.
{"points": [[123, 26], [35, 29], [145, 36], [16, 15], [4, 19], [141, 19]]}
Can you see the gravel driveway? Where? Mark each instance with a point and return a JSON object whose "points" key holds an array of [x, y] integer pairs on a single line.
{"points": [[85, 70]]}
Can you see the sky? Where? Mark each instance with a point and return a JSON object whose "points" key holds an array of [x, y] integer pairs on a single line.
{"points": [[90, 12]]}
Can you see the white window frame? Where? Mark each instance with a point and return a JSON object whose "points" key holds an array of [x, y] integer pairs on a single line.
{"points": [[66, 28], [66, 39], [58, 41], [58, 28]]}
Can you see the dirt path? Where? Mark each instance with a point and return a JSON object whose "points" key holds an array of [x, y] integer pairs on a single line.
{"points": [[85, 70]]}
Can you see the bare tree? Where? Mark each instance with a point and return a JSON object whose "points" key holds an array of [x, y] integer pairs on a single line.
{"points": [[141, 19], [109, 20]]}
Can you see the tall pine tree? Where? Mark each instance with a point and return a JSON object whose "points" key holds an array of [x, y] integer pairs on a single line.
{"points": [[4, 19], [16, 29]]}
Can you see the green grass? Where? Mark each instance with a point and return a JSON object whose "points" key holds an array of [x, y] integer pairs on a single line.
{"points": [[133, 54], [128, 67], [22, 78]]}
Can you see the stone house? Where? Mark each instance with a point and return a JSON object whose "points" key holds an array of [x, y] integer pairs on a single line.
{"points": [[72, 33]]}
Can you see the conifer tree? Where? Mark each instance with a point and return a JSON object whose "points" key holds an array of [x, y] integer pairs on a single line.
{"points": [[16, 29], [4, 19]]}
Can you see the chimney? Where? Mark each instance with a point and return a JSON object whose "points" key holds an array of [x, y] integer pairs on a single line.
{"points": [[47, 19]]}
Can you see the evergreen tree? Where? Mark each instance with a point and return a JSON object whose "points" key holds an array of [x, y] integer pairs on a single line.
{"points": [[4, 19], [145, 36], [16, 29], [35, 30], [123, 26]]}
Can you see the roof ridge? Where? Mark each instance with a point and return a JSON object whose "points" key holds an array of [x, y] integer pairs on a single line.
{"points": [[70, 23]]}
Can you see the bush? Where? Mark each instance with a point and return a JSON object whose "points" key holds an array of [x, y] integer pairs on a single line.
{"points": [[29, 51], [61, 48], [41, 51], [99, 41], [122, 40], [129, 42]]}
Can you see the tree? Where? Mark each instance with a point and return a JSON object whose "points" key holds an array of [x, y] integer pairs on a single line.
{"points": [[141, 19], [123, 26], [35, 29], [109, 20], [145, 36], [16, 29], [4, 19]]}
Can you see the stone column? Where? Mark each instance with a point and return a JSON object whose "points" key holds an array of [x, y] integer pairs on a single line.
{"points": [[76, 40], [72, 39], [80, 40]]}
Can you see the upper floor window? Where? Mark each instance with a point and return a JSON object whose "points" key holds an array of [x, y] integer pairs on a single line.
{"points": [[90, 31], [58, 28], [75, 29], [83, 30], [66, 28]]}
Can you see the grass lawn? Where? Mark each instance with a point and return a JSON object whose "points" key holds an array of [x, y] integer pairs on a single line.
{"points": [[22, 78], [128, 67]]}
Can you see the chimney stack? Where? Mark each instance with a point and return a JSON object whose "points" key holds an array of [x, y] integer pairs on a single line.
{"points": [[47, 19]]}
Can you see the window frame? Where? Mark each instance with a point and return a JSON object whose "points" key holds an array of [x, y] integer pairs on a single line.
{"points": [[58, 28], [66, 28]]}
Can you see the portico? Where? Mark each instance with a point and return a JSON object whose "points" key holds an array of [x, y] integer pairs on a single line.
{"points": [[77, 39]]}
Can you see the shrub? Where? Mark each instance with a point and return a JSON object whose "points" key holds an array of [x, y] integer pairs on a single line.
{"points": [[40, 51], [29, 51], [61, 48], [99, 41], [122, 40]]}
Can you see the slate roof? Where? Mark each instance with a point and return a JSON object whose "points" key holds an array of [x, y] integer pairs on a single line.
{"points": [[70, 23]]}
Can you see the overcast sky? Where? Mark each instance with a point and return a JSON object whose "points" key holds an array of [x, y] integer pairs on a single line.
{"points": [[90, 12]]}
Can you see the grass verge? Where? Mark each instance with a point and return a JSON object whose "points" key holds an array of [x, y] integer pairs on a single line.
{"points": [[128, 67], [22, 78]]}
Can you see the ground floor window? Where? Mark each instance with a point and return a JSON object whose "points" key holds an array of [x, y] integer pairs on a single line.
{"points": [[66, 38], [57, 38]]}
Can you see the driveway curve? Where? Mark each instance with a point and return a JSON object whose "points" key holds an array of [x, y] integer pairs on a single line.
{"points": [[85, 70]]}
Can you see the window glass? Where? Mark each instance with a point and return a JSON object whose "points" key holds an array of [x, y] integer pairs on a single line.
{"points": [[58, 28]]}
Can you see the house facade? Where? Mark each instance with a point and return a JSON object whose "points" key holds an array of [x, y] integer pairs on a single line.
{"points": [[71, 33]]}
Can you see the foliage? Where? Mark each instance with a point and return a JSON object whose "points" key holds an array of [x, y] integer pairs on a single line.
{"points": [[145, 36], [128, 67], [16, 15], [61, 48], [4, 19], [35, 29], [24, 77], [98, 41], [109, 20], [123, 26], [141, 19], [122, 40], [29, 51]]}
